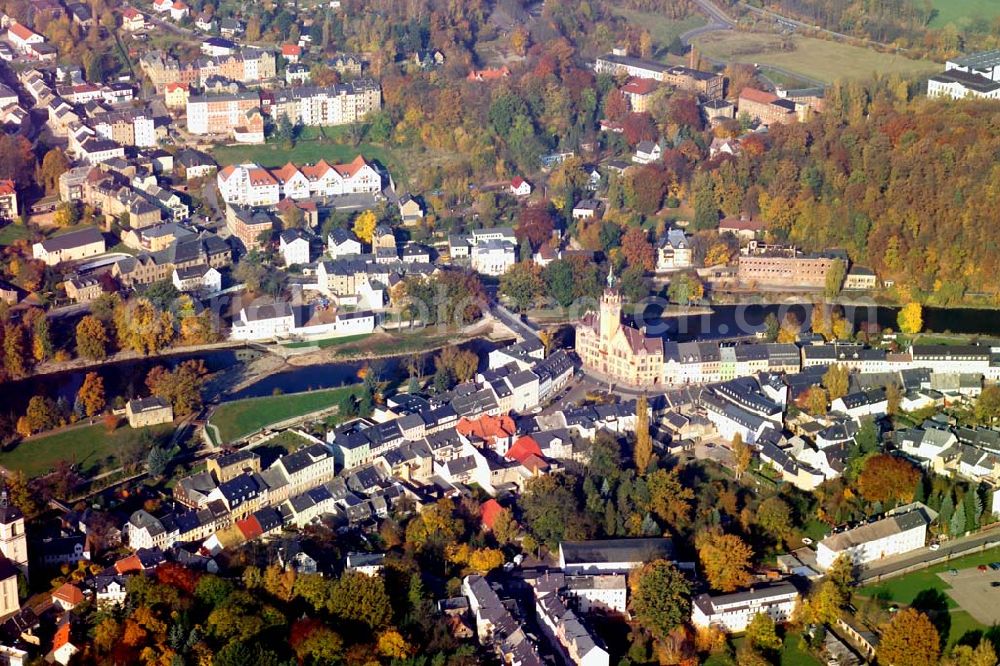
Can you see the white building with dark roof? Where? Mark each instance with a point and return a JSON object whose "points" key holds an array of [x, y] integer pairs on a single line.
{"points": [[733, 612], [264, 322], [892, 535]]}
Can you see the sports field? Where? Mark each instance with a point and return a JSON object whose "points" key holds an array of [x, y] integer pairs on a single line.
{"points": [[817, 59]]}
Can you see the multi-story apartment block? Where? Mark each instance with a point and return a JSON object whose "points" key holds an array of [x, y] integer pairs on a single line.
{"points": [[220, 114], [893, 535], [247, 224], [253, 185], [205, 249], [331, 105], [249, 66], [733, 612], [785, 270]]}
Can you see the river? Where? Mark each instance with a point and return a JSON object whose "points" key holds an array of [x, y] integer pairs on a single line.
{"points": [[127, 378]]}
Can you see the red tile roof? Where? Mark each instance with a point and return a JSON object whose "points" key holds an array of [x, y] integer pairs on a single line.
{"points": [[7, 187], [69, 593], [524, 447], [640, 86], [128, 564], [22, 32], [175, 86], [740, 224], [286, 173], [487, 428], [250, 528], [131, 13], [349, 170], [488, 513], [291, 50], [759, 96], [517, 182]]}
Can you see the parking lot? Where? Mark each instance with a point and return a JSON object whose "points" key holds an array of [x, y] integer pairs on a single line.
{"points": [[972, 591]]}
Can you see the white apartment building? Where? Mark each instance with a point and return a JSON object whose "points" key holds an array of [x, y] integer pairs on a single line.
{"points": [[201, 277], [493, 257], [253, 185], [733, 612], [328, 105], [893, 535], [248, 185], [306, 468]]}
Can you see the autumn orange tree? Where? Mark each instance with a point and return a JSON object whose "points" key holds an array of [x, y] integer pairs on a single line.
{"points": [[91, 394], [888, 479], [909, 639], [726, 560]]}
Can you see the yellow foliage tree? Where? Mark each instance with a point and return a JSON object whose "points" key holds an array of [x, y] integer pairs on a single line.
{"points": [[484, 560], [725, 559], [392, 644], [911, 318], [364, 226]]}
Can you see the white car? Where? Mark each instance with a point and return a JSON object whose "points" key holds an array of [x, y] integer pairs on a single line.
{"points": [[807, 541], [935, 546]]}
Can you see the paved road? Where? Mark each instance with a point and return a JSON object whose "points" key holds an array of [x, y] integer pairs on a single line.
{"points": [[718, 20], [514, 322], [954, 548]]}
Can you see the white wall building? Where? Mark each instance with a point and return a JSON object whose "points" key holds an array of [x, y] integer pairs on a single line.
{"points": [[893, 535], [733, 612], [294, 247], [493, 257], [264, 322]]}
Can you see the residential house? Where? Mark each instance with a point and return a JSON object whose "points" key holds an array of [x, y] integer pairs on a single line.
{"points": [[263, 321], [647, 152], [293, 245], [83, 289], [519, 187], [410, 210], [144, 412], [674, 252]]}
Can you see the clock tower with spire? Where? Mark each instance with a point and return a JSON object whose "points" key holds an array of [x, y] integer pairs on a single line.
{"points": [[13, 540]]}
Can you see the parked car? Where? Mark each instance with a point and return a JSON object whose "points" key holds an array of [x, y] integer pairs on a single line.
{"points": [[995, 566], [807, 541], [935, 546], [953, 572], [983, 568]]}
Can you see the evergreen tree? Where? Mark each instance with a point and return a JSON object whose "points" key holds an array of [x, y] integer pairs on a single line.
{"points": [[947, 509], [957, 524], [643, 440], [970, 504]]}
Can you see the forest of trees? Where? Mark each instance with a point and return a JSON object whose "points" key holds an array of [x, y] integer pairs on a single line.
{"points": [[903, 23]]}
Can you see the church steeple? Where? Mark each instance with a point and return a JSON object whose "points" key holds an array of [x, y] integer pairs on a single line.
{"points": [[611, 275]]}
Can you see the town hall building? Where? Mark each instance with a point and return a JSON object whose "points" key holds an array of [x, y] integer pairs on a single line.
{"points": [[619, 352]]}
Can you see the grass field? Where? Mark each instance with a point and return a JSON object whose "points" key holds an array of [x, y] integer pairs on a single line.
{"points": [[961, 12], [242, 417], [662, 29], [310, 148], [92, 448], [327, 342], [813, 58], [791, 654], [12, 232]]}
